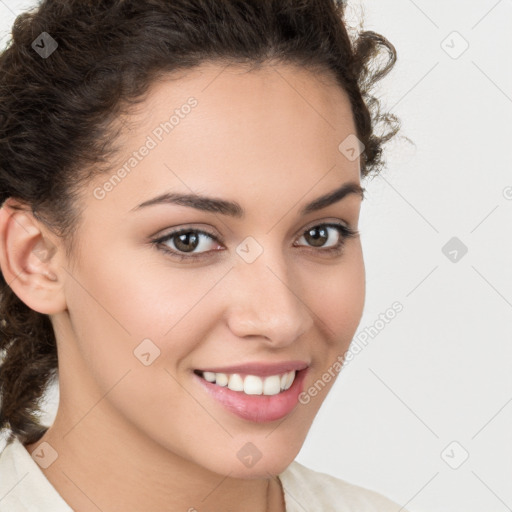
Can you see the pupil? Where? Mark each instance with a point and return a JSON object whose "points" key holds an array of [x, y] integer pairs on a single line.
{"points": [[319, 239], [184, 241]]}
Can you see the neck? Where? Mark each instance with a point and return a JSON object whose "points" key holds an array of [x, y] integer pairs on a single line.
{"points": [[140, 475]]}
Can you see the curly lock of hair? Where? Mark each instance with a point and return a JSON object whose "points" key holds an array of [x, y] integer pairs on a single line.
{"points": [[57, 118]]}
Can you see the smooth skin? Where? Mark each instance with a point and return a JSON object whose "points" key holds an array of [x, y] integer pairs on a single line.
{"points": [[133, 437]]}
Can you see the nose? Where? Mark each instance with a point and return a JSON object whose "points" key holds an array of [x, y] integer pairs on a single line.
{"points": [[264, 300]]}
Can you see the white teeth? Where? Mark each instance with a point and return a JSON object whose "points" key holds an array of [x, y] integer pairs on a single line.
{"points": [[272, 385], [252, 384], [290, 380], [221, 379], [209, 376], [236, 382]]}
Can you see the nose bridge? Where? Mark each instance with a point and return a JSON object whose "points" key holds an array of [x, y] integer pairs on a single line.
{"points": [[264, 301]]}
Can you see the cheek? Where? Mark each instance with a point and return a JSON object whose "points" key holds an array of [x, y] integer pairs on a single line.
{"points": [[121, 306], [139, 296], [339, 296], [135, 325], [338, 303]]}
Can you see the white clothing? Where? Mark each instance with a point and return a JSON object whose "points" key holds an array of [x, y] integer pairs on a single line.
{"points": [[25, 488]]}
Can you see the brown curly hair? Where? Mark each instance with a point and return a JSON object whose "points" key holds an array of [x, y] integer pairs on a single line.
{"points": [[57, 118]]}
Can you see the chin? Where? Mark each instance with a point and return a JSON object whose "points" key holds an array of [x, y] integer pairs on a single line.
{"points": [[253, 463]]}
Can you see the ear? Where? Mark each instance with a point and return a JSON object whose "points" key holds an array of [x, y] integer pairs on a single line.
{"points": [[29, 255]]}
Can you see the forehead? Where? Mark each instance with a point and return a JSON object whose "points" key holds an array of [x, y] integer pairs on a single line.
{"points": [[276, 93], [218, 128]]}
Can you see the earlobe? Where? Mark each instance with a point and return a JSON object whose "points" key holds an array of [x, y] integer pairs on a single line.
{"points": [[28, 260]]}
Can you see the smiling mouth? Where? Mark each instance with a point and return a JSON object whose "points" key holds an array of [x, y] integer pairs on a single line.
{"points": [[251, 384]]}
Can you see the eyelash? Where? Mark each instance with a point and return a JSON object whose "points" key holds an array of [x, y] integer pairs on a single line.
{"points": [[345, 232]]}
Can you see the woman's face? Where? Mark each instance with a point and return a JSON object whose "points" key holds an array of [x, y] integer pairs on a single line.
{"points": [[259, 283]]}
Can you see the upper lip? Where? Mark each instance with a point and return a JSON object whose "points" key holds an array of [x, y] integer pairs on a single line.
{"points": [[255, 368]]}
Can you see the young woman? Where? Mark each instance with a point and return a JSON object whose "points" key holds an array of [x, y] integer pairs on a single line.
{"points": [[181, 186]]}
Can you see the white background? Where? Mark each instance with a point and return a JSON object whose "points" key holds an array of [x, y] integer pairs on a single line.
{"points": [[440, 371]]}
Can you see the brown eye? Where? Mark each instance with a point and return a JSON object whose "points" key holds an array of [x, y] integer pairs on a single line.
{"points": [[186, 242], [182, 243], [317, 236]]}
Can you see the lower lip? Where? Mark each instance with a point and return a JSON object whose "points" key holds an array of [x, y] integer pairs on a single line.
{"points": [[257, 408]]}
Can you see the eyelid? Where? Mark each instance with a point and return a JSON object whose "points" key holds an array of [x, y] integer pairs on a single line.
{"points": [[219, 238], [331, 220], [183, 228]]}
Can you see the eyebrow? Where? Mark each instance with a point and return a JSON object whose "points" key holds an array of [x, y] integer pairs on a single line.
{"points": [[233, 209]]}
